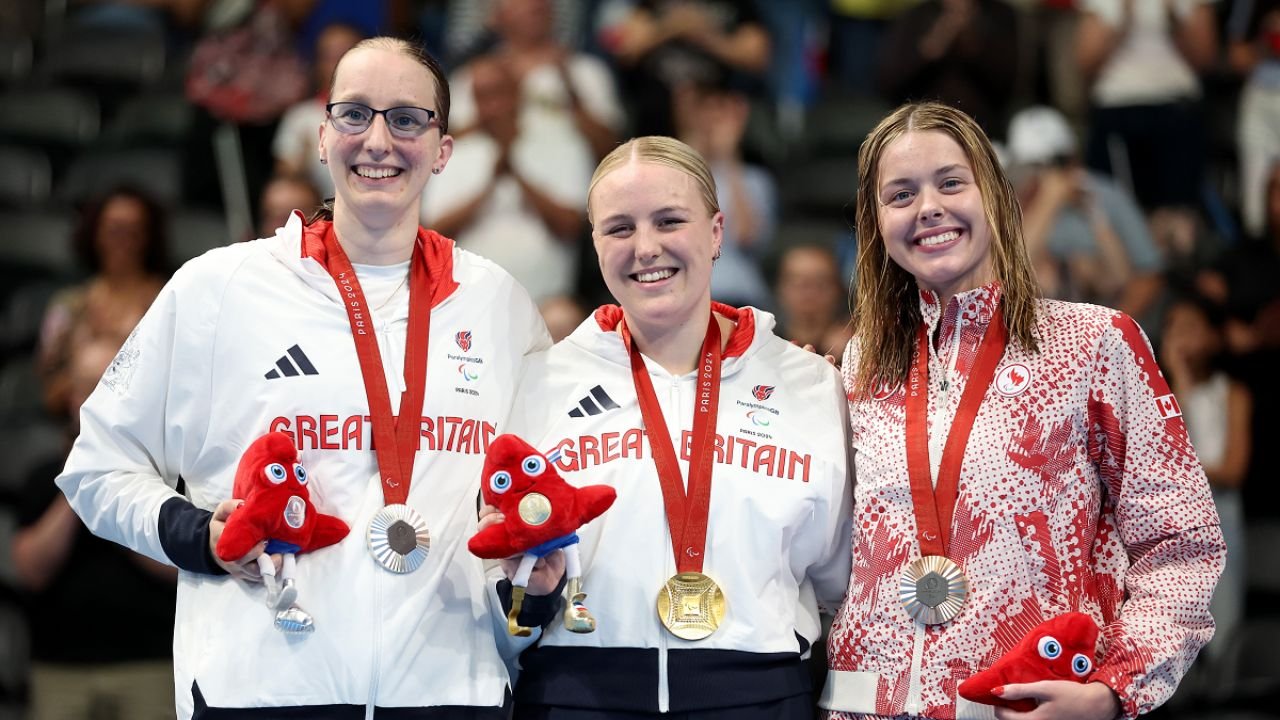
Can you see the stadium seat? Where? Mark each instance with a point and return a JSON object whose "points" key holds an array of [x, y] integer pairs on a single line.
{"points": [[37, 240], [194, 232], [16, 55], [20, 392], [156, 171], [57, 116], [94, 58], [149, 120], [27, 176]]}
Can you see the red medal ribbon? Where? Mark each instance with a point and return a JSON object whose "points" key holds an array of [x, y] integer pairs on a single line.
{"points": [[686, 511], [935, 507], [394, 442]]}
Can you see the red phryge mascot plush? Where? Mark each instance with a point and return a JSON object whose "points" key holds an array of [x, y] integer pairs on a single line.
{"points": [[541, 514], [1057, 649], [277, 508]]}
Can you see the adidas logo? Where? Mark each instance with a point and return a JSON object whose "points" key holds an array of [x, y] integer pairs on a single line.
{"points": [[284, 368], [589, 406]]}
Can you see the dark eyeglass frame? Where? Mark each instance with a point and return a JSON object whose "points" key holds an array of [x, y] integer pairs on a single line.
{"points": [[373, 113]]}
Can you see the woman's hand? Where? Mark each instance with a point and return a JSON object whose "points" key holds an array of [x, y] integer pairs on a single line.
{"points": [[246, 568], [546, 572], [1061, 700]]}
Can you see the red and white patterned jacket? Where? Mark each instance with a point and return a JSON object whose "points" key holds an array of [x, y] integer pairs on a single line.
{"points": [[1079, 491]]}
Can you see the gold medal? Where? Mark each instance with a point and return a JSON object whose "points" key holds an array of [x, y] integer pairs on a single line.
{"points": [[398, 538], [933, 589], [535, 509], [691, 605]]}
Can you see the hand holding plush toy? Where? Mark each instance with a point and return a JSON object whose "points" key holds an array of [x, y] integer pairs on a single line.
{"points": [[1057, 649], [541, 514], [277, 508]]}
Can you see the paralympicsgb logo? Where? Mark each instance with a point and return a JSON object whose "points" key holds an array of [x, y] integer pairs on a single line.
{"points": [[463, 338], [762, 392]]}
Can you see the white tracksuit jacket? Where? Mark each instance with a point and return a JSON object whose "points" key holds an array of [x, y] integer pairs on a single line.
{"points": [[778, 533], [252, 338]]}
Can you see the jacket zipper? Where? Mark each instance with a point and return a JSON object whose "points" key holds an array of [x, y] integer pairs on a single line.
{"points": [[664, 688], [375, 666]]}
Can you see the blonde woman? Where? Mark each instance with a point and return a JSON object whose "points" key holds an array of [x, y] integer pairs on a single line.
{"points": [[727, 448]]}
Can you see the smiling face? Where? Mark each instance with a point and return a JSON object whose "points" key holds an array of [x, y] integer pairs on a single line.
{"points": [[656, 238], [378, 176], [930, 213]]}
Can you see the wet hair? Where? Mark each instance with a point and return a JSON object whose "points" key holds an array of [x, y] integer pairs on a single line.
{"points": [[885, 297], [155, 253], [660, 150], [418, 54]]}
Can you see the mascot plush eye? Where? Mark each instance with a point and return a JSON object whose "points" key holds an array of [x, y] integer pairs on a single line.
{"points": [[275, 473], [500, 481], [1049, 647], [533, 465], [301, 472], [1081, 665]]}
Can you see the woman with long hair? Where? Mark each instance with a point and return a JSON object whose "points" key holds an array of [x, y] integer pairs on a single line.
{"points": [[1016, 458]]}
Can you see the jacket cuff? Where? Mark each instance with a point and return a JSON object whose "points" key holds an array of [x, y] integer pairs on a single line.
{"points": [[537, 610], [184, 535], [1116, 680]]}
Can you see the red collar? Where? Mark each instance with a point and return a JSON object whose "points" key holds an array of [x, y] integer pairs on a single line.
{"points": [[608, 317], [437, 251]]}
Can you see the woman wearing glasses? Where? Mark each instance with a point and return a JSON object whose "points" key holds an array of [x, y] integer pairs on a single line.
{"points": [[336, 331]]}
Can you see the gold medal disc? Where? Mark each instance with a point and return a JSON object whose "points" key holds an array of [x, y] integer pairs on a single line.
{"points": [[398, 538], [691, 605], [933, 589]]}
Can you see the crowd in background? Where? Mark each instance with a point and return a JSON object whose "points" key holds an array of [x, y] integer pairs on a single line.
{"points": [[1143, 137]]}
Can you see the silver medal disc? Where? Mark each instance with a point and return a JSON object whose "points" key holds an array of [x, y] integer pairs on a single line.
{"points": [[398, 538], [933, 589]]}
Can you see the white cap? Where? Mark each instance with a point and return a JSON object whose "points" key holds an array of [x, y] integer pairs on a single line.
{"points": [[1040, 134]]}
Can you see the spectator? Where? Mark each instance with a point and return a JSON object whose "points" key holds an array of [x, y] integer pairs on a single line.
{"points": [[1141, 59], [812, 299], [663, 45], [960, 52], [713, 121], [1243, 282], [562, 93], [121, 240], [282, 195], [115, 662], [1253, 34], [563, 314], [510, 196], [295, 142], [1085, 234], [1218, 411], [858, 28]]}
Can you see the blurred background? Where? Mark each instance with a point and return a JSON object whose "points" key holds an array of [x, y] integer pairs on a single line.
{"points": [[1142, 135]]}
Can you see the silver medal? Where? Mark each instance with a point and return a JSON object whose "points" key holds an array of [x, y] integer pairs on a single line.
{"points": [[398, 538]]}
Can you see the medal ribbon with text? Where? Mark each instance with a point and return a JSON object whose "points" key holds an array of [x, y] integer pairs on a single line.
{"points": [[934, 507], [687, 509], [395, 437]]}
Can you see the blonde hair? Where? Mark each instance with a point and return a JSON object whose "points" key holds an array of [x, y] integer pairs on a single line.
{"points": [[418, 54], [660, 150], [885, 296]]}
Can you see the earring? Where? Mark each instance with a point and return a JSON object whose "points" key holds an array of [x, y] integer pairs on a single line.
{"points": [[716, 256], [324, 160], [436, 170]]}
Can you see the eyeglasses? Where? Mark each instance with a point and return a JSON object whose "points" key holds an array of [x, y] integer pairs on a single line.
{"points": [[353, 118]]}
